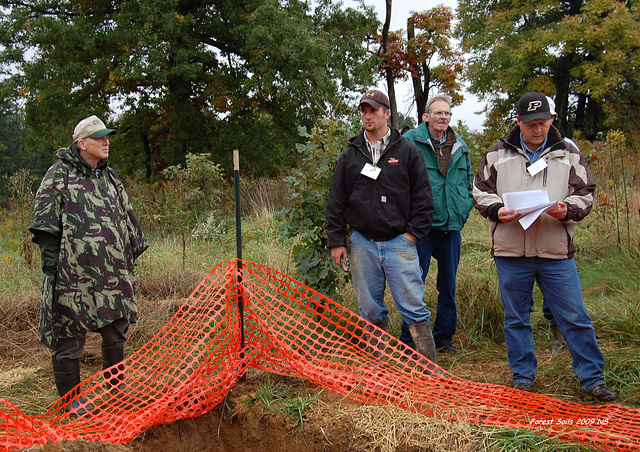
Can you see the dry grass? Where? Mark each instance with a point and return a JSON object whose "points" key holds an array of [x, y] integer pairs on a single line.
{"points": [[386, 428], [153, 315]]}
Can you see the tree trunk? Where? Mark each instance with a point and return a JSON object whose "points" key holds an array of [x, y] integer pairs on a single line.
{"points": [[580, 112], [388, 72], [562, 82], [416, 75], [147, 156], [593, 118]]}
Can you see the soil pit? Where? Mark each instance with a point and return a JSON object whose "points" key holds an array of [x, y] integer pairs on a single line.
{"points": [[329, 423]]}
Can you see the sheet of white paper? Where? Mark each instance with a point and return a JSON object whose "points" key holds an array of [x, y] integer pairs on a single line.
{"points": [[524, 199], [533, 209], [529, 219], [530, 204]]}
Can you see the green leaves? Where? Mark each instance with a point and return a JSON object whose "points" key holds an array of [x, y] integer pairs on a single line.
{"points": [[177, 77], [309, 193], [582, 52]]}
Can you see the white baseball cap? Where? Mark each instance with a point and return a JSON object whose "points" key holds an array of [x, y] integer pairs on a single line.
{"points": [[91, 127], [552, 106]]}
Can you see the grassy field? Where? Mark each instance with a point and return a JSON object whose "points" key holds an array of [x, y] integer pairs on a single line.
{"points": [[608, 263]]}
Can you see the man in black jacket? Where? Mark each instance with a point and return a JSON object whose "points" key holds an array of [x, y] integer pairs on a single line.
{"points": [[380, 202]]}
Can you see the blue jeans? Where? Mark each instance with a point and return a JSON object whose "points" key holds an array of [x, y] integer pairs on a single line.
{"points": [[396, 262], [444, 246], [558, 280]]}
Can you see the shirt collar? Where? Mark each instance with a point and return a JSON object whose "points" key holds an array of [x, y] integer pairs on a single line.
{"points": [[438, 141], [384, 140], [533, 156]]}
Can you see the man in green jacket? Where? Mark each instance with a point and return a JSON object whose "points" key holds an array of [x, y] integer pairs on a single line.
{"points": [[447, 158]]}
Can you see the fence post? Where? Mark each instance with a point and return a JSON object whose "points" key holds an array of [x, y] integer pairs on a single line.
{"points": [[236, 176]]}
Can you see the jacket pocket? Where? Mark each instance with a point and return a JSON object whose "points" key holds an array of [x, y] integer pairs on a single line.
{"points": [[465, 203]]}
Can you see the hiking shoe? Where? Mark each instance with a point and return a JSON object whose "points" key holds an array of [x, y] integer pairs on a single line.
{"points": [[523, 386], [601, 393], [448, 349]]}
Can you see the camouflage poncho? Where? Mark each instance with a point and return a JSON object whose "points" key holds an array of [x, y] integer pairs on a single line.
{"points": [[100, 238]]}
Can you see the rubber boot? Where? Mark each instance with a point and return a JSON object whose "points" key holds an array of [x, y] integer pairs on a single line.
{"points": [[66, 373], [372, 340], [425, 345], [112, 356], [114, 379]]}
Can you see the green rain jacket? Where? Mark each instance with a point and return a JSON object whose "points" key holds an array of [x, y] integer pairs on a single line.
{"points": [[92, 282], [453, 194]]}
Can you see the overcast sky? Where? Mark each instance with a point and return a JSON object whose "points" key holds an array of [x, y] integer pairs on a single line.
{"points": [[404, 91]]}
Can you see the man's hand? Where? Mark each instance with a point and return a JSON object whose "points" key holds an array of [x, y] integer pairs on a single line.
{"points": [[339, 255], [507, 216], [559, 211], [411, 237]]}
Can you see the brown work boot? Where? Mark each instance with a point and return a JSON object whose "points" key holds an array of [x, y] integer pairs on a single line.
{"points": [[423, 338]]}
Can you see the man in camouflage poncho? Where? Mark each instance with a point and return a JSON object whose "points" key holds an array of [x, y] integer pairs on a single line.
{"points": [[89, 239]]}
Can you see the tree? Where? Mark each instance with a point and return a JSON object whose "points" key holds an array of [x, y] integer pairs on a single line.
{"points": [[12, 150], [433, 60], [427, 55], [585, 53], [183, 76], [309, 193]]}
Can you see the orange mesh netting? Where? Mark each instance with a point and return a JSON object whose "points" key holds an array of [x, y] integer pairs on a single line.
{"points": [[290, 329]]}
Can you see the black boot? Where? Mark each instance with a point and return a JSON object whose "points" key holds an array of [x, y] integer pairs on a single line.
{"points": [[112, 356], [66, 373], [115, 377]]}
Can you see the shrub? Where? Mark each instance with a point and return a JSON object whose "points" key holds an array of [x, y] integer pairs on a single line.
{"points": [[190, 193], [308, 194]]}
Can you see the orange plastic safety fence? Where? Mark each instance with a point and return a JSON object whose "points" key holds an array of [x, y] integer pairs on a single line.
{"points": [[290, 329]]}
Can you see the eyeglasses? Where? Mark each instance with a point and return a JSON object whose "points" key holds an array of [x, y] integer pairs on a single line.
{"points": [[446, 114]]}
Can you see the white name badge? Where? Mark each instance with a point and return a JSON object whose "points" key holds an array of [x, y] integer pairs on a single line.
{"points": [[538, 166], [371, 171]]}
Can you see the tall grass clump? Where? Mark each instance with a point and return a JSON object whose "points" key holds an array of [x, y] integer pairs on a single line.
{"points": [[19, 256], [21, 202], [20, 272], [480, 316], [608, 241], [615, 215]]}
